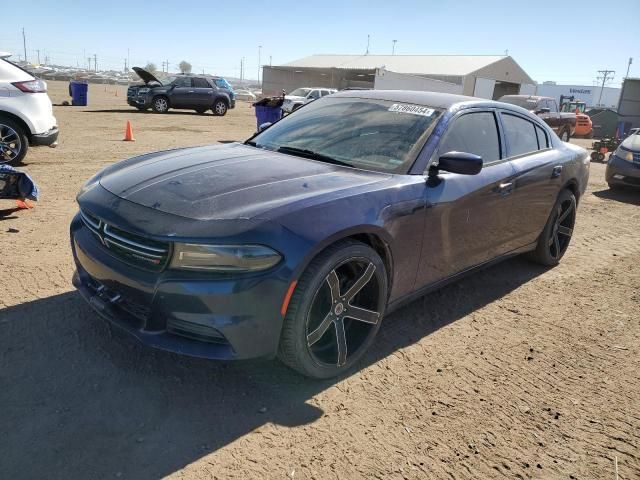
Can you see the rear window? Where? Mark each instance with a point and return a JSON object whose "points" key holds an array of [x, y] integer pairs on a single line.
{"points": [[520, 134]]}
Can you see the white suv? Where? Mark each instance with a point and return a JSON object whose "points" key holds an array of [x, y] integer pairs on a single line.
{"points": [[26, 113], [301, 96]]}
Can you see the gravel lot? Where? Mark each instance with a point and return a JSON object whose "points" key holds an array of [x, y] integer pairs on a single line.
{"points": [[516, 372]]}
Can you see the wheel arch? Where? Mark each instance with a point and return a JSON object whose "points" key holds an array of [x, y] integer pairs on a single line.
{"points": [[572, 186], [19, 121], [162, 94], [371, 235]]}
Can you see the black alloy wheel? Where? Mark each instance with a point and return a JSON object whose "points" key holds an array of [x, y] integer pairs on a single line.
{"points": [[335, 311], [557, 233]]}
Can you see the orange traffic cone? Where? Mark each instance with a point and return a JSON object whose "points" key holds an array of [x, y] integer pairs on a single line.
{"points": [[128, 133]]}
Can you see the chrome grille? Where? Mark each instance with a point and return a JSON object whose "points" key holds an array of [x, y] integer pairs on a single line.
{"points": [[132, 248]]}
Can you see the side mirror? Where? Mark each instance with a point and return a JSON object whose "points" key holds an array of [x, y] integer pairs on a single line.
{"points": [[264, 126], [460, 162], [543, 110]]}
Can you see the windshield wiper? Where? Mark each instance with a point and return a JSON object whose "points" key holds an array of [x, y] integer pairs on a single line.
{"points": [[303, 152]]}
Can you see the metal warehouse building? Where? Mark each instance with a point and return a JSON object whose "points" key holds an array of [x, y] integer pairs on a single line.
{"points": [[485, 76]]}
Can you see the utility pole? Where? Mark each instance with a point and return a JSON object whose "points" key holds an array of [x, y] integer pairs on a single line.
{"points": [[128, 62], [38, 56], [95, 62], [393, 47], [628, 67], [24, 44], [241, 61], [605, 77], [368, 40], [125, 65], [88, 63], [259, 61], [167, 66], [270, 59]]}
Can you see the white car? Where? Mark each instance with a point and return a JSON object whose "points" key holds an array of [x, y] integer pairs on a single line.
{"points": [[26, 113], [301, 96], [245, 95]]}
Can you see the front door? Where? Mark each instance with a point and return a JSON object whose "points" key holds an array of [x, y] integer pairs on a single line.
{"points": [[181, 93], [466, 215]]}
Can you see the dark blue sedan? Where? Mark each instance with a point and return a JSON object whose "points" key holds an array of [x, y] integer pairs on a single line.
{"points": [[299, 241]]}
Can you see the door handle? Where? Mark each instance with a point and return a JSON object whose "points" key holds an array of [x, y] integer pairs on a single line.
{"points": [[191, 91], [504, 188], [557, 170]]}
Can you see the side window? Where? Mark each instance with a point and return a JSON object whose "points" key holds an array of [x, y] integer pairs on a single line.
{"points": [[315, 94], [325, 92], [552, 106], [543, 140], [520, 135], [201, 83], [182, 82], [475, 133]]}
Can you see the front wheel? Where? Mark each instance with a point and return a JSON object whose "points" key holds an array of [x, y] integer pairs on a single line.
{"points": [[160, 105], [565, 135], [220, 108], [14, 142], [335, 312], [554, 239]]}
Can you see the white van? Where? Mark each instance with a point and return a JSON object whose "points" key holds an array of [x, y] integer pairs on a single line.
{"points": [[26, 113]]}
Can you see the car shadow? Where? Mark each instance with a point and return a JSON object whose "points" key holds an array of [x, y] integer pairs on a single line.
{"points": [[151, 112], [626, 195], [82, 401]]}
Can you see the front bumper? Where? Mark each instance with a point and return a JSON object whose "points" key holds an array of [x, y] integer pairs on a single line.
{"points": [[215, 317], [621, 172], [139, 101], [49, 138]]}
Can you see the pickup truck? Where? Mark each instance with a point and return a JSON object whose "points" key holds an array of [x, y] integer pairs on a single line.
{"points": [[563, 123]]}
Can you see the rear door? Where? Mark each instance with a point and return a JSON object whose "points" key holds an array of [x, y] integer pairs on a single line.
{"points": [[181, 93], [467, 214], [203, 93], [537, 177]]}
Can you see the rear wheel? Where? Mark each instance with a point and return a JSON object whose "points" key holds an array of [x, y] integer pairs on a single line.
{"points": [[335, 312], [565, 135], [160, 104], [220, 108], [14, 142], [554, 239], [600, 157]]}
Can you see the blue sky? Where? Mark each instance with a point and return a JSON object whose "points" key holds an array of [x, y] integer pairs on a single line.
{"points": [[214, 36]]}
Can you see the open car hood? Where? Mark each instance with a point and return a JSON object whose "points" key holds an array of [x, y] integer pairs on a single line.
{"points": [[146, 76]]}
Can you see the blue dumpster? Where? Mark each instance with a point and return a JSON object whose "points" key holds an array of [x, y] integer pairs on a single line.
{"points": [[266, 114], [78, 91]]}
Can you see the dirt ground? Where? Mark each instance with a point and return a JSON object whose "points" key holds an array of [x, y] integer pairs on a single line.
{"points": [[515, 372]]}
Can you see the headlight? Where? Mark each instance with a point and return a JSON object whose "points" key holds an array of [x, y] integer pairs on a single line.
{"points": [[144, 90], [624, 154], [223, 258]]}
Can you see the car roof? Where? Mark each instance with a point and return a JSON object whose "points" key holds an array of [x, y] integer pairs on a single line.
{"points": [[535, 97], [431, 99]]}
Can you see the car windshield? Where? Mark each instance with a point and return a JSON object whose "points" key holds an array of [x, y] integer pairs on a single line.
{"points": [[168, 80], [300, 92], [528, 103], [370, 134]]}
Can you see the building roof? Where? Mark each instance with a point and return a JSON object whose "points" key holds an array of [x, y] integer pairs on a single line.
{"points": [[458, 65]]}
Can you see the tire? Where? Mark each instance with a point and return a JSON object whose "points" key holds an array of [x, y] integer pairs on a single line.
{"points": [[296, 107], [600, 157], [220, 108], [14, 142], [556, 235], [594, 156], [160, 104], [317, 316], [201, 110], [565, 135]]}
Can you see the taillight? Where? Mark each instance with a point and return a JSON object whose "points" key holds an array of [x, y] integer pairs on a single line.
{"points": [[31, 86]]}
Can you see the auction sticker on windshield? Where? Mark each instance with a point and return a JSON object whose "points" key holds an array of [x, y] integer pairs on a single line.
{"points": [[413, 109]]}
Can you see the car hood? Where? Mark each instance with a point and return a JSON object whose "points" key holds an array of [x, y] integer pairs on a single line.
{"points": [[228, 182], [146, 76], [632, 143]]}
